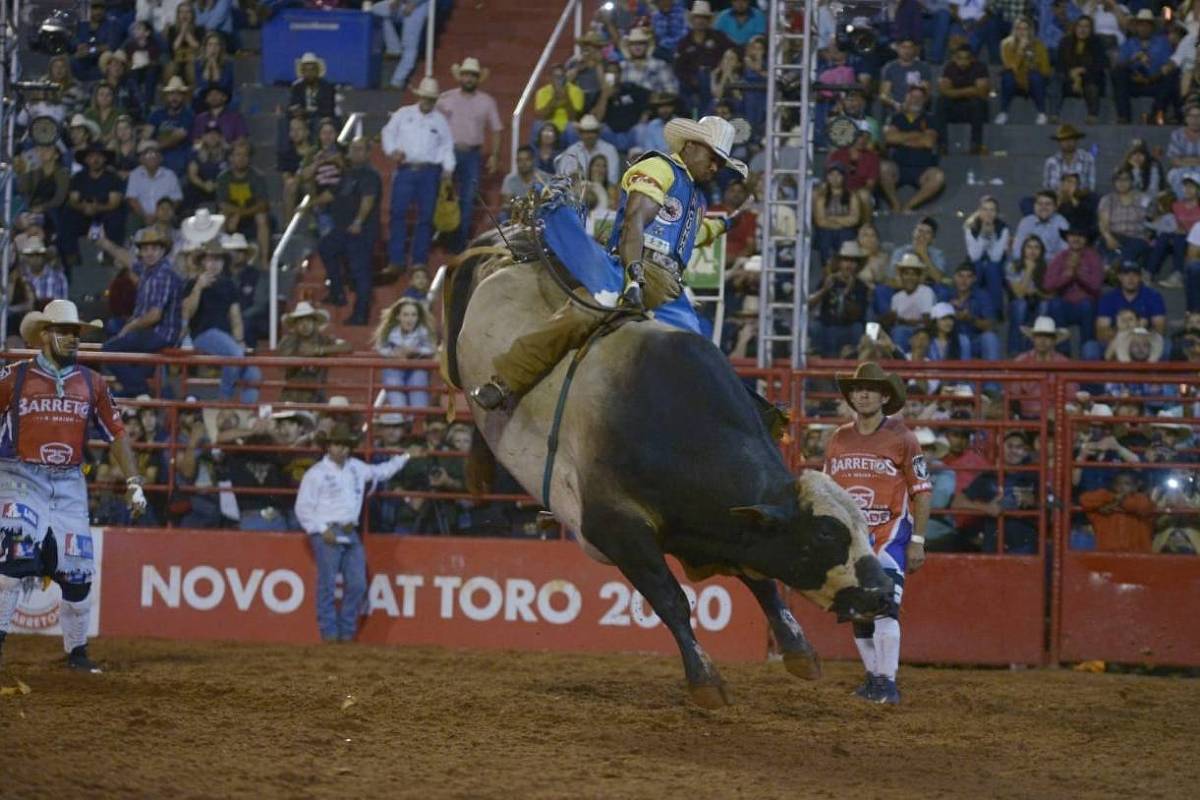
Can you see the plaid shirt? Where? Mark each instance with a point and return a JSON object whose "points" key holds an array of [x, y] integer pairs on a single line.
{"points": [[50, 285], [1180, 146], [1007, 9], [159, 286], [651, 74], [1083, 165], [670, 27]]}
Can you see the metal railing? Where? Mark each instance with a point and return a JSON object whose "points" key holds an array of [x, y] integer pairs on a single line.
{"points": [[352, 129], [9, 73], [573, 8]]}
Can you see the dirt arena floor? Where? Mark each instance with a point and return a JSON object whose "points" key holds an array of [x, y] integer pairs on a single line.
{"points": [[178, 720]]}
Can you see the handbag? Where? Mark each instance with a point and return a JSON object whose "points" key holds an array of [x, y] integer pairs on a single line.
{"points": [[447, 216]]}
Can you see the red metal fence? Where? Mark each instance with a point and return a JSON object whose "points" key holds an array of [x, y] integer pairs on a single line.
{"points": [[1024, 595]]}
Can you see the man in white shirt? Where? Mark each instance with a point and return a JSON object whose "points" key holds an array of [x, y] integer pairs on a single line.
{"points": [[149, 183], [418, 139], [912, 303], [578, 156], [328, 507]]}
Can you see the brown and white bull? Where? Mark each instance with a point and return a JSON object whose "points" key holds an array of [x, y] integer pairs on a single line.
{"points": [[662, 451]]}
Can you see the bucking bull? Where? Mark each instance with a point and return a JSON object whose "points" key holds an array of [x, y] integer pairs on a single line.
{"points": [[660, 450]]}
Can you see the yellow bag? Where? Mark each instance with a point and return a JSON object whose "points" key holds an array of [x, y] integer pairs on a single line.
{"points": [[447, 216]]}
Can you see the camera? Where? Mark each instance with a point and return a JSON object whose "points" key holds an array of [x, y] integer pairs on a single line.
{"points": [[55, 34]]}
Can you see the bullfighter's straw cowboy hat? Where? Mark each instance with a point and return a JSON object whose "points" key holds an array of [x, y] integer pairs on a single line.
{"points": [[716, 133], [56, 312], [870, 375]]}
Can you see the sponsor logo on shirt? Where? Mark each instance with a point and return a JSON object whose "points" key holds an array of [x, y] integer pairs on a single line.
{"points": [[920, 468], [57, 454], [54, 405], [862, 463], [864, 497], [671, 211]]}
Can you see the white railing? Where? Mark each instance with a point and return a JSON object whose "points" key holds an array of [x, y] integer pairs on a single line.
{"points": [[351, 130], [572, 8]]}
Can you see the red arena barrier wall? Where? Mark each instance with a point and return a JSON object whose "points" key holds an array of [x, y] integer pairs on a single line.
{"points": [[1130, 608], [454, 592], [961, 609]]}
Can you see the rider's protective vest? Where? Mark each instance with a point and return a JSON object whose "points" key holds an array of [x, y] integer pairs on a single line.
{"points": [[672, 232]]}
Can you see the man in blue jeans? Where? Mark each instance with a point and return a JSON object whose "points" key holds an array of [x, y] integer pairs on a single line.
{"points": [[417, 138], [328, 507], [354, 204], [157, 319]]}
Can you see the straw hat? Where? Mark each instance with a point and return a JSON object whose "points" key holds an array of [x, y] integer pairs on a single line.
{"points": [[1175, 412], [56, 312], [311, 58], [1125, 338], [470, 64], [589, 123], [701, 8], [939, 444], [1100, 410], [176, 85], [871, 376], [716, 133], [390, 420], [151, 235], [851, 249], [910, 261], [593, 39], [141, 59], [80, 121], [428, 88], [203, 226], [33, 246], [1045, 326], [107, 57], [1067, 131], [148, 144], [1146, 15], [342, 433], [303, 310], [305, 418]]}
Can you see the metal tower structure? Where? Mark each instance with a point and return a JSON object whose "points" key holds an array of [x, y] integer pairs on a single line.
{"points": [[786, 189]]}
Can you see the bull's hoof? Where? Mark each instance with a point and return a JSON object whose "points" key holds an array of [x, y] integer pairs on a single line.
{"points": [[710, 696], [803, 665]]}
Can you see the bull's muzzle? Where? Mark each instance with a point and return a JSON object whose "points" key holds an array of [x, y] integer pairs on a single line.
{"points": [[873, 597]]}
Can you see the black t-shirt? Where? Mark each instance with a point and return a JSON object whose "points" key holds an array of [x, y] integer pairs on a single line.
{"points": [[626, 106], [355, 184], [213, 309], [96, 189], [842, 307], [964, 78], [247, 287], [913, 156]]}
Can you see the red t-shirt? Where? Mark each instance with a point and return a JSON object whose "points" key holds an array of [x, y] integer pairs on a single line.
{"points": [[858, 171], [1185, 215], [52, 428], [881, 471]]}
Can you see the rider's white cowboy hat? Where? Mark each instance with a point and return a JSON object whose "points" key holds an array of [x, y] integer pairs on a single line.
{"points": [[428, 88], [715, 132], [470, 64], [305, 309], [56, 312], [202, 227], [311, 58]]}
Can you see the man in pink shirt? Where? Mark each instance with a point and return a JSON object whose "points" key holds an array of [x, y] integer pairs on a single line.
{"points": [[1046, 336], [472, 114], [1074, 277]]}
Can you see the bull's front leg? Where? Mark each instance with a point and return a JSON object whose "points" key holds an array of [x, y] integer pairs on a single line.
{"points": [[799, 657], [631, 544]]}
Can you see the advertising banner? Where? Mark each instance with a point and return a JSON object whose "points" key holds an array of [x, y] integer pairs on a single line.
{"points": [[455, 592]]}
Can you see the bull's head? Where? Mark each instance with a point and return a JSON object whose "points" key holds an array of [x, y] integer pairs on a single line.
{"points": [[820, 547]]}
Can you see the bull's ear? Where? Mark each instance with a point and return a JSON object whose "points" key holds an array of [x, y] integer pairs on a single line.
{"points": [[762, 515]]}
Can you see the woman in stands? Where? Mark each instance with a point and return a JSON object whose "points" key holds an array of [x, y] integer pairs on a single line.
{"points": [[1082, 64], [1024, 279], [598, 180], [404, 333], [988, 239], [836, 213], [71, 96], [1146, 170], [299, 147], [547, 148], [944, 343], [124, 145], [213, 68], [1026, 70], [103, 109], [754, 84], [183, 43], [208, 161], [874, 269]]}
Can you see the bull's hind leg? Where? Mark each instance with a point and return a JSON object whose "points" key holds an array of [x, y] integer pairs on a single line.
{"points": [[631, 544], [799, 657]]}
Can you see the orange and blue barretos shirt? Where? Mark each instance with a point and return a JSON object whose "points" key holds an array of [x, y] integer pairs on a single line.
{"points": [[53, 425], [881, 471]]}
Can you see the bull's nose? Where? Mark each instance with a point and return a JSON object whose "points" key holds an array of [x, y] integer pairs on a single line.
{"points": [[871, 576]]}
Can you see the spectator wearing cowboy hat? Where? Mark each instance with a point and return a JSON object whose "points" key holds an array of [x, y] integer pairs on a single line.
{"points": [[697, 55], [1069, 159], [172, 125], [1046, 337], [1144, 69], [842, 302], [232, 124], [93, 203], [46, 279], [310, 91], [243, 198], [304, 338], [640, 67], [577, 157], [213, 318], [126, 93], [411, 16], [252, 283], [157, 319], [912, 303], [620, 108], [475, 127], [663, 108], [202, 227], [741, 22], [1075, 277], [149, 183], [328, 508], [354, 214], [417, 138]]}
